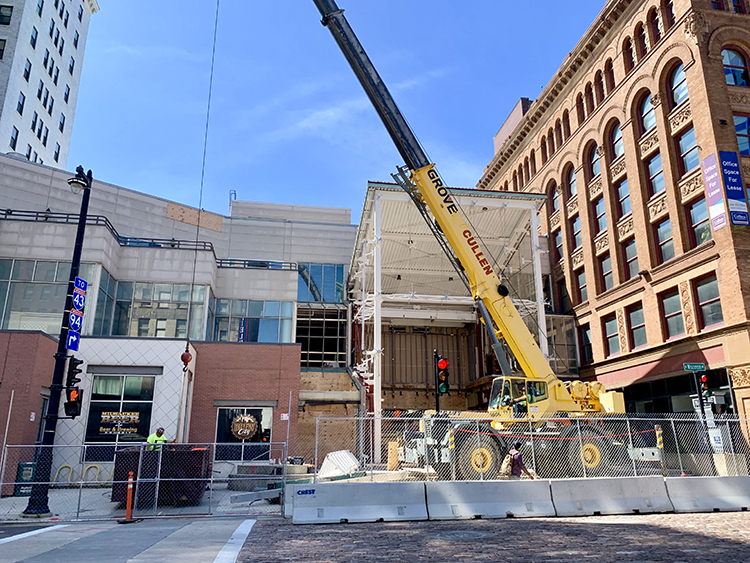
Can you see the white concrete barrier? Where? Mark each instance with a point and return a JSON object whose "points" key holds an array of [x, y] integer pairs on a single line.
{"points": [[623, 495], [331, 503], [709, 494], [456, 500]]}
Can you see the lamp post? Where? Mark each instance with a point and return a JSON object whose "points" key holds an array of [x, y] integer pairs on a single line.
{"points": [[38, 501]]}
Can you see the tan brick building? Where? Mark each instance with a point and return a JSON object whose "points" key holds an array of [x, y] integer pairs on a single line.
{"points": [[633, 142]]}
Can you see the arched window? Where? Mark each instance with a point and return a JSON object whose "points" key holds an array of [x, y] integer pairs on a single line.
{"points": [[515, 182], [669, 13], [526, 171], [617, 147], [558, 133], [570, 181], [506, 186], [554, 198], [543, 144], [653, 23], [678, 85], [599, 87], [594, 164], [735, 67], [589, 99], [521, 182], [532, 161], [580, 110], [627, 55], [738, 6], [641, 41], [551, 141], [609, 76], [647, 113], [566, 124], [717, 4]]}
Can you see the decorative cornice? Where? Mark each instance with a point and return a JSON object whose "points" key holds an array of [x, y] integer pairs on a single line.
{"points": [[554, 219], [649, 142], [618, 168], [695, 25], [576, 259], [621, 331], [656, 99], [658, 206], [679, 117], [739, 99], [572, 206], [691, 186], [601, 243], [740, 376], [600, 151], [595, 187], [687, 308], [624, 228]]}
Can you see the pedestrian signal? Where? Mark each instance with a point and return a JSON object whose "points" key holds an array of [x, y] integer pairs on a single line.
{"points": [[74, 402], [443, 375], [73, 371]]}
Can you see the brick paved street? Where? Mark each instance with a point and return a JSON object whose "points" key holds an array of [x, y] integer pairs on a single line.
{"points": [[672, 538]]}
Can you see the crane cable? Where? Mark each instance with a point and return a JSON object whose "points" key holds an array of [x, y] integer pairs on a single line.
{"points": [[187, 354]]}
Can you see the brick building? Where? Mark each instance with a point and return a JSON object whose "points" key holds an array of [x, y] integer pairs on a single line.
{"points": [[639, 141]]}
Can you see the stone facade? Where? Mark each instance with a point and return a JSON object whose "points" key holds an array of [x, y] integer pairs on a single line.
{"points": [[636, 49]]}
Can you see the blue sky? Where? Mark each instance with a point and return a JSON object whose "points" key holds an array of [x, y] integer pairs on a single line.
{"points": [[289, 121]]}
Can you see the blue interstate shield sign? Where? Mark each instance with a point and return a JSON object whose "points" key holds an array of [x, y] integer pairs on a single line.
{"points": [[75, 321], [79, 300]]}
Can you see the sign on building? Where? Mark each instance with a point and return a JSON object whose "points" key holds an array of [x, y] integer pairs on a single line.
{"points": [[714, 193], [736, 200]]}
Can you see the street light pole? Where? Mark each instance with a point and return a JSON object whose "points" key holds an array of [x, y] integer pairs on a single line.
{"points": [[39, 500]]}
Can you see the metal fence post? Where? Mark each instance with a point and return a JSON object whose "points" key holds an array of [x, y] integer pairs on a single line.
{"points": [[533, 452], [479, 452], [211, 480], [80, 485], [580, 448], [6, 453], [315, 475], [630, 451], [731, 446], [677, 447]]}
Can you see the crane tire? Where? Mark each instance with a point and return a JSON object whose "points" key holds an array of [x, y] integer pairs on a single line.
{"points": [[479, 457]]}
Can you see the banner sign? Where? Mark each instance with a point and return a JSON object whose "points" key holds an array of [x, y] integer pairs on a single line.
{"points": [[242, 333], [115, 422], [730, 168], [714, 194]]}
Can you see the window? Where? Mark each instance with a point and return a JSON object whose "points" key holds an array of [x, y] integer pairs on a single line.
{"points": [[322, 335], [709, 305], [664, 240], [161, 328], [39, 129], [230, 448], [51, 105], [580, 109], [57, 75], [599, 87], [571, 182], [62, 121], [44, 138], [52, 29], [27, 70], [558, 240], [742, 128], [33, 121], [236, 320], [700, 228], [601, 215], [688, 149], [587, 354], [320, 282], [80, 13], [735, 67], [672, 312], [62, 9], [630, 253], [566, 124], [583, 294], [642, 42], [21, 102], [76, 37], [669, 13], [2, 48], [72, 65], [39, 7], [637, 326], [46, 58], [554, 197], [611, 335], [738, 6], [575, 228], [62, 46], [717, 4], [627, 55], [609, 75], [616, 142], [143, 327], [653, 20], [57, 152], [589, 95], [51, 67], [39, 90], [28, 152], [66, 96], [34, 35], [678, 85], [655, 174], [5, 14], [605, 267], [594, 165], [13, 138], [65, 19], [46, 97], [648, 116], [623, 197], [57, 38]]}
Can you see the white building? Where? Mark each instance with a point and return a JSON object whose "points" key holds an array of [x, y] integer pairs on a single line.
{"points": [[42, 43]]}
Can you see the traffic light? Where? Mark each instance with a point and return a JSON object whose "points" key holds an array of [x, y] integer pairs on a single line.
{"points": [[705, 385], [73, 404], [443, 375], [73, 371]]}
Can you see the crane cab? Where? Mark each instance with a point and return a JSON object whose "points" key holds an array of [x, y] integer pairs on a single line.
{"points": [[518, 397]]}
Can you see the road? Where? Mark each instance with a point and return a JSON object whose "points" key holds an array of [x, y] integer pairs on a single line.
{"points": [[664, 538]]}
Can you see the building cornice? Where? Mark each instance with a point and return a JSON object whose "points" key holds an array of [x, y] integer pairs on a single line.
{"points": [[93, 6]]}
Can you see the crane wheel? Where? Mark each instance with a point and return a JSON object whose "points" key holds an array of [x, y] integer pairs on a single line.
{"points": [[478, 457], [591, 453]]}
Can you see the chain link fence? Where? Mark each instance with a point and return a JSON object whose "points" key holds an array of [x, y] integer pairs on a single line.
{"points": [[442, 448], [91, 482]]}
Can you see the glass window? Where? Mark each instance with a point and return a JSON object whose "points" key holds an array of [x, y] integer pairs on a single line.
{"points": [[322, 333], [738, 6], [587, 353], [595, 167], [735, 67], [630, 253], [45, 271], [251, 448], [13, 138], [648, 116], [664, 240], [655, 174], [688, 149], [6, 12], [623, 197], [611, 336], [637, 325], [678, 85], [709, 305], [558, 240], [571, 182], [617, 144], [21, 103], [34, 35], [601, 215], [583, 293], [672, 311], [575, 227], [700, 228], [554, 197], [742, 128], [627, 54], [27, 70], [320, 283], [605, 266]]}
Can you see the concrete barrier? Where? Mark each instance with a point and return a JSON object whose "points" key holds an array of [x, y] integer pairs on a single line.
{"points": [[331, 503], [709, 494], [456, 500], [624, 495]]}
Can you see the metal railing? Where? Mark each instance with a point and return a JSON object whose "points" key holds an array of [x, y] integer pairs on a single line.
{"points": [[90, 481], [438, 448]]}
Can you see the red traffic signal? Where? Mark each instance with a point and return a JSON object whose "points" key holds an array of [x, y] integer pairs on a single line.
{"points": [[442, 363], [442, 375], [705, 385]]}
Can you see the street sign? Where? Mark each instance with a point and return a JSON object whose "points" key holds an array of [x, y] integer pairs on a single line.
{"points": [[74, 339], [694, 367], [75, 320], [79, 299], [81, 284]]}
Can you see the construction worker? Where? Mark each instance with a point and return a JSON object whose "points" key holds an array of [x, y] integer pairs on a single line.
{"points": [[157, 438], [520, 403]]}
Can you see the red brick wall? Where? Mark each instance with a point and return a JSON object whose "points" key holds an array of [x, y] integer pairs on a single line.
{"points": [[244, 372]]}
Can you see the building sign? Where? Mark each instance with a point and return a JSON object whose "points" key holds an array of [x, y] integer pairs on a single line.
{"points": [[714, 194], [119, 422], [242, 333], [244, 426], [730, 169]]}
